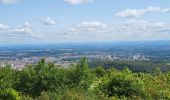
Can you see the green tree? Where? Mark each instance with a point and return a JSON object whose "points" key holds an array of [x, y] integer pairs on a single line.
{"points": [[81, 77], [8, 77], [99, 72], [43, 96], [122, 84]]}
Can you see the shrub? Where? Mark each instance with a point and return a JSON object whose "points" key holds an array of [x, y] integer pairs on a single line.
{"points": [[122, 84], [9, 94]]}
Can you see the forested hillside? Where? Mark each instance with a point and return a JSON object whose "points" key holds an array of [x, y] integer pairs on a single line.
{"points": [[135, 66], [45, 81]]}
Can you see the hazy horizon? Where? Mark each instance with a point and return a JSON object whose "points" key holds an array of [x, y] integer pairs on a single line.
{"points": [[86, 43]]}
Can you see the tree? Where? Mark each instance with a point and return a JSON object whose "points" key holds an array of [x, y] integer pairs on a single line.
{"points": [[99, 72], [80, 76], [43, 96], [122, 84], [8, 77]]}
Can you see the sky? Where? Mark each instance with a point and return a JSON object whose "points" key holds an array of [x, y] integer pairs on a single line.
{"points": [[58, 21]]}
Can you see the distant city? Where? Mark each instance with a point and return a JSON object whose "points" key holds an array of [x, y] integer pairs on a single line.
{"points": [[19, 56]]}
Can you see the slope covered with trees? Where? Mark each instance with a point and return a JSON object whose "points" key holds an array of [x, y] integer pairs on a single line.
{"points": [[45, 81]]}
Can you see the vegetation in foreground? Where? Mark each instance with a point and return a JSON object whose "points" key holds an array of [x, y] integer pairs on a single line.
{"points": [[45, 81]]}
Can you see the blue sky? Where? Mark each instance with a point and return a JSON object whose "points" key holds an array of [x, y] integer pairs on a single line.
{"points": [[54, 21]]}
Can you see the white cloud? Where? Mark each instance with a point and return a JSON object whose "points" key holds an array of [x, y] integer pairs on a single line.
{"points": [[166, 10], [153, 9], [76, 2], [26, 28], [84, 31], [143, 30], [4, 27], [27, 24], [88, 31], [22, 32], [9, 1], [49, 21], [89, 26], [130, 13], [145, 25], [140, 12]]}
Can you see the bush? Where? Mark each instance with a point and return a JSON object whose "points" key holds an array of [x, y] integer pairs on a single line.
{"points": [[122, 84], [43, 96], [8, 77], [45, 81], [99, 72], [26, 98], [9, 94]]}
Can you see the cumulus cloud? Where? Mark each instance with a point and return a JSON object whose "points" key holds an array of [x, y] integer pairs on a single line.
{"points": [[76, 2], [145, 25], [130, 13], [99, 31], [21, 33], [143, 30], [140, 12], [26, 24], [166, 10], [91, 31], [9, 1], [22, 30], [89, 26], [84, 31], [26, 28], [4, 27], [49, 21]]}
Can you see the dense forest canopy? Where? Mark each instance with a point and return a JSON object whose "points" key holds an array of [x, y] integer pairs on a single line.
{"points": [[135, 66], [45, 81]]}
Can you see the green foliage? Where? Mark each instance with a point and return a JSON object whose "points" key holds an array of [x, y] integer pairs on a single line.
{"points": [[135, 66], [80, 76], [26, 98], [7, 77], [83, 74], [43, 96], [99, 72], [122, 84], [41, 77], [45, 81], [9, 94]]}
